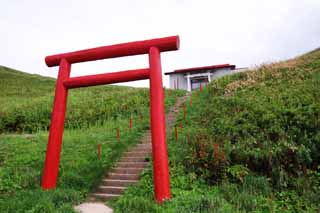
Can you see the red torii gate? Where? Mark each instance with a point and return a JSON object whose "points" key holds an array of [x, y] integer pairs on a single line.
{"points": [[64, 82]]}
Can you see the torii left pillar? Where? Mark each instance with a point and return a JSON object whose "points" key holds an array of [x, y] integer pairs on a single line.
{"points": [[51, 171]]}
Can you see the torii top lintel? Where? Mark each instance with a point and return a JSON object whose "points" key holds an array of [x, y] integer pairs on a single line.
{"points": [[118, 50]]}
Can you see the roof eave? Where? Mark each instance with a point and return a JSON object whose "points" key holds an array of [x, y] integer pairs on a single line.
{"points": [[200, 69]]}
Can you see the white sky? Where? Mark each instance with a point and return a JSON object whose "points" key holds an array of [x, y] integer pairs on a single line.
{"points": [[244, 33]]}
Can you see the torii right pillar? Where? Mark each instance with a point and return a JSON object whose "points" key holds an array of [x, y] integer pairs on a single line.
{"points": [[158, 129]]}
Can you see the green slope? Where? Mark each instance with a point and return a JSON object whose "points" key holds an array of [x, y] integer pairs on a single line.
{"points": [[250, 143], [26, 102], [93, 116], [14, 83]]}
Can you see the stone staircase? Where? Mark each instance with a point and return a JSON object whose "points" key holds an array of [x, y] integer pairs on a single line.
{"points": [[129, 167]]}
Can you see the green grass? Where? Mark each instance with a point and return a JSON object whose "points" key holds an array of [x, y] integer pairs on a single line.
{"points": [[250, 144], [26, 102], [93, 116], [80, 169]]}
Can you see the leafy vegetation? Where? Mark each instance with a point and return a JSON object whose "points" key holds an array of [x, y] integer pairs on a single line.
{"points": [[250, 143], [93, 116]]}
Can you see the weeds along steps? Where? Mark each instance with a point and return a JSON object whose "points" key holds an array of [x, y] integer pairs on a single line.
{"points": [[128, 169]]}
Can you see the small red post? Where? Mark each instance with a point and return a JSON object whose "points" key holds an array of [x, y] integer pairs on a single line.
{"points": [[181, 125], [141, 117], [176, 133], [190, 101], [118, 134], [184, 112], [99, 150], [130, 123]]}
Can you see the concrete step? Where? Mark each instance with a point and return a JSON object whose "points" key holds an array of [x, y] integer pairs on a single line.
{"points": [[111, 189], [144, 145], [136, 154], [133, 159], [115, 182], [120, 176], [132, 164], [127, 170], [141, 149], [146, 142], [104, 196], [147, 148]]}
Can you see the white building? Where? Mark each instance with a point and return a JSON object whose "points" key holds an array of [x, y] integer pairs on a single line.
{"points": [[191, 78]]}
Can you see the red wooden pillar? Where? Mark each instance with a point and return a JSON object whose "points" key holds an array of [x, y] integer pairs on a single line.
{"points": [[141, 117], [130, 123], [158, 129], [51, 168], [176, 133], [99, 151], [118, 134]]}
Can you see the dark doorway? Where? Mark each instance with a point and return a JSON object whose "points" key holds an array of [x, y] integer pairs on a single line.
{"points": [[195, 82]]}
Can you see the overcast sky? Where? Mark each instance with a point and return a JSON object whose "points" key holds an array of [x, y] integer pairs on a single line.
{"points": [[244, 33]]}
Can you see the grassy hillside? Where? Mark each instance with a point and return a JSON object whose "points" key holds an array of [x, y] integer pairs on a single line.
{"points": [[250, 143], [93, 116], [26, 102]]}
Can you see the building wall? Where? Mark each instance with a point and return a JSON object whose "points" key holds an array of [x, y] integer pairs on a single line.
{"points": [[183, 84], [221, 72]]}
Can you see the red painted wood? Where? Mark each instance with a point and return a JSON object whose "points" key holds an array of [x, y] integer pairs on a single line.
{"points": [[158, 129], [113, 51], [107, 78], [159, 147], [176, 133], [118, 134], [51, 166], [141, 117], [130, 123]]}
